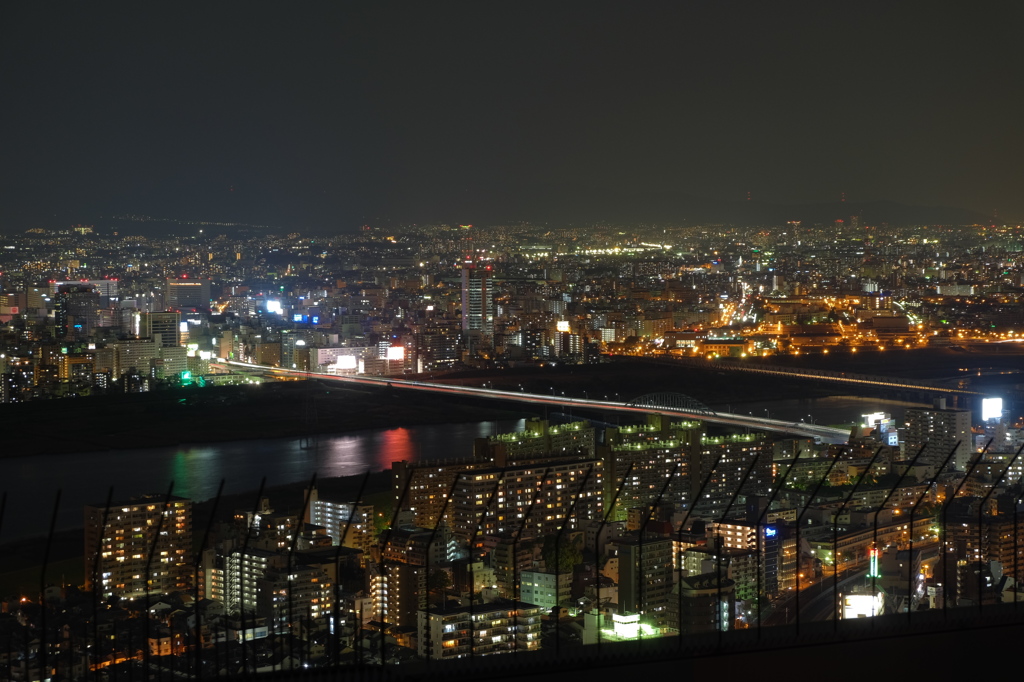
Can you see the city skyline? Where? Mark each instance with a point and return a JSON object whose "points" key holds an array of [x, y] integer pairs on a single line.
{"points": [[580, 335]]}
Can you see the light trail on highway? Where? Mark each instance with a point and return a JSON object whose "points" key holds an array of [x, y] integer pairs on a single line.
{"points": [[826, 434]]}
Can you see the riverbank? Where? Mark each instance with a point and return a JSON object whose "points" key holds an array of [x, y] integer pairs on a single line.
{"points": [[225, 413], [303, 408]]}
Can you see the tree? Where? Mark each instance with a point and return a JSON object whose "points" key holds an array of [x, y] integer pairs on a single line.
{"points": [[439, 580], [561, 557]]}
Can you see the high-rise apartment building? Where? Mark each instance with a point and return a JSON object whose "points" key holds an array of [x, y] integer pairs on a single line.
{"points": [[273, 585], [477, 299], [119, 542], [939, 430], [556, 493], [722, 461], [347, 523], [651, 452], [537, 440], [503, 626], [645, 578]]}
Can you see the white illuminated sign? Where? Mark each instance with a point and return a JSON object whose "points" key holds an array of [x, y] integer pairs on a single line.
{"points": [[871, 419], [991, 408]]}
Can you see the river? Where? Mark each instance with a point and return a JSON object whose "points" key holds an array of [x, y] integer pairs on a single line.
{"points": [[31, 483]]}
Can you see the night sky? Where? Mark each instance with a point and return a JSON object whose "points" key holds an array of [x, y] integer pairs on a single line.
{"points": [[328, 116]]}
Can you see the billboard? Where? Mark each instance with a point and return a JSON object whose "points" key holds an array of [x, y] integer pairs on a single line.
{"points": [[991, 408]]}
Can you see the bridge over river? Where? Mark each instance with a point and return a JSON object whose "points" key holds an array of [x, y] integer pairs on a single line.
{"points": [[668, 404]]}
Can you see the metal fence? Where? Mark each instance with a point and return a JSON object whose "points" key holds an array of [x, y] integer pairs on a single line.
{"points": [[971, 547]]}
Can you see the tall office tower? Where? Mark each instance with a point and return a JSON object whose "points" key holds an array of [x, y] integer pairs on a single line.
{"points": [[187, 293], [76, 310], [734, 455], [167, 325], [118, 542], [941, 429], [477, 299]]}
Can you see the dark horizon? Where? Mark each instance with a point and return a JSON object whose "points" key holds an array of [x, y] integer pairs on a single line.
{"points": [[333, 116]]}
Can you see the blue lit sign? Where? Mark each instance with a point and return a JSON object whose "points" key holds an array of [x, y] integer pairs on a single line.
{"points": [[770, 532]]}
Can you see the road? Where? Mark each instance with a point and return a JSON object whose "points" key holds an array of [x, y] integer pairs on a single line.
{"points": [[816, 598], [825, 375], [823, 433]]}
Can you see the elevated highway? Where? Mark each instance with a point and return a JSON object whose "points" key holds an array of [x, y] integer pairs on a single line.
{"points": [[849, 378], [820, 432]]}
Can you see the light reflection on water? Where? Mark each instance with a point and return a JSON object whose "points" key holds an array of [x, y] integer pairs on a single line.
{"points": [[196, 470], [31, 483]]}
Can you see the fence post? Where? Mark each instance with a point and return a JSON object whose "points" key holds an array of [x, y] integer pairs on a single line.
{"points": [[835, 541], [198, 639], [885, 502], [383, 566], [799, 521], [149, 574], [299, 524], [913, 511], [335, 606], [945, 517], [640, 551], [718, 562], [95, 580], [981, 508], [604, 521], [241, 579], [516, 587], [760, 521], [430, 544], [682, 527], [472, 571], [43, 672]]}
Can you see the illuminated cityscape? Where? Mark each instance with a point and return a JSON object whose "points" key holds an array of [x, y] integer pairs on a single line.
{"points": [[415, 341]]}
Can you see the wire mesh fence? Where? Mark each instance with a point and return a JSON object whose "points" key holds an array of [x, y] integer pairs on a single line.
{"points": [[335, 586]]}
